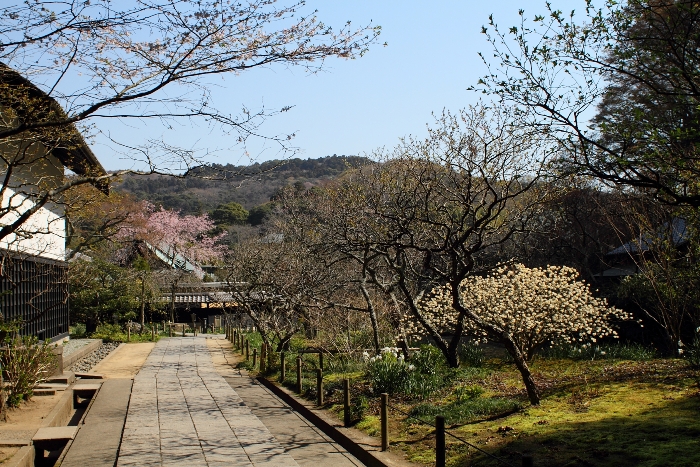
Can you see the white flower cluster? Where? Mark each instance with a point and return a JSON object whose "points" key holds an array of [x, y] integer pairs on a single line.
{"points": [[534, 305], [387, 354]]}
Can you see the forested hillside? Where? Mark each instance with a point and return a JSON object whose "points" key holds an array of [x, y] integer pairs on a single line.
{"points": [[249, 186]]}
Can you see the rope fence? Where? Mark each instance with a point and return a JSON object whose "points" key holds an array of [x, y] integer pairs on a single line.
{"points": [[243, 345]]}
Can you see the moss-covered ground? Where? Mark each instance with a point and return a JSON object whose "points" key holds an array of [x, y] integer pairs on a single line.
{"points": [[604, 413], [610, 412]]}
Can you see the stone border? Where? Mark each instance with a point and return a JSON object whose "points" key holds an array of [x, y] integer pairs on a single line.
{"points": [[363, 447], [108, 357], [22, 458], [61, 414], [83, 352]]}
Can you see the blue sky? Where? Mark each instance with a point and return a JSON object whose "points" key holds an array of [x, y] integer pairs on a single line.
{"points": [[355, 106]]}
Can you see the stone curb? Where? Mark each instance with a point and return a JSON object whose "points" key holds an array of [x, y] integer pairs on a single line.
{"points": [[84, 351], [363, 447], [22, 458], [107, 358]]}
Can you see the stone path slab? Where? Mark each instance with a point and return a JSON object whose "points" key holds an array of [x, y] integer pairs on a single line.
{"points": [[97, 442], [182, 412], [301, 439]]}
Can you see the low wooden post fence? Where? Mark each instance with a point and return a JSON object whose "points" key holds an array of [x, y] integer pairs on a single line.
{"points": [[283, 367], [319, 387], [263, 356], [255, 357], [440, 441], [299, 376], [346, 402], [247, 350], [384, 413]]}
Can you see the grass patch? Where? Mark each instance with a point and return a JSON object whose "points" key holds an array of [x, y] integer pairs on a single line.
{"points": [[614, 351], [371, 425], [465, 411]]}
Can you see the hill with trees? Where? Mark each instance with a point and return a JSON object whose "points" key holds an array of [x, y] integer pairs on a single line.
{"points": [[250, 186]]}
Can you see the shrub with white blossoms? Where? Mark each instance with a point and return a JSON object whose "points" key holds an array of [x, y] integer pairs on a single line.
{"points": [[536, 306], [421, 375]]}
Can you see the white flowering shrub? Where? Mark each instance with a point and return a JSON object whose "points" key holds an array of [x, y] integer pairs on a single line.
{"points": [[692, 354], [536, 306], [424, 373]]}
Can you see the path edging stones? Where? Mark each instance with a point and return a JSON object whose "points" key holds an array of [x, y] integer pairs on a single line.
{"points": [[369, 458], [80, 353]]}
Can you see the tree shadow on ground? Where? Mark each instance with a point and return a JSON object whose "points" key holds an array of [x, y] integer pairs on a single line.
{"points": [[666, 434]]}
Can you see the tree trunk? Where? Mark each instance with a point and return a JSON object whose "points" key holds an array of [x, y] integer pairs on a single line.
{"points": [[372, 316], [396, 322], [172, 304], [283, 343], [532, 392], [143, 304]]}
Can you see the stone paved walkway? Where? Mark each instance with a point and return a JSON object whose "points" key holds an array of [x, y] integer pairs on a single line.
{"points": [[182, 412]]}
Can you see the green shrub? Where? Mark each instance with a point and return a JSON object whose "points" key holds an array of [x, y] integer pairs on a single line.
{"points": [[692, 352], [25, 362], [77, 331], [359, 408], [110, 333], [471, 355], [389, 374], [465, 393], [425, 373], [466, 410], [429, 360], [616, 351], [342, 364]]}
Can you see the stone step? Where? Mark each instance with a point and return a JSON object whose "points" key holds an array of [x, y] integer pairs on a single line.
{"points": [[56, 386], [68, 377], [52, 438], [44, 392], [89, 376]]}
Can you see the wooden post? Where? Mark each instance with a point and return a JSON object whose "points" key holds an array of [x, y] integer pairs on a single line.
{"points": [[283, 367], [170, 329], [299, 388], [255, 357], [346, 402], [263, 355], [183, 329], [247, 350], [153, 333], [320, 360], [299, 380], [319, 386], [385, 421], [439, 441], [128, 332], [528, 461]]}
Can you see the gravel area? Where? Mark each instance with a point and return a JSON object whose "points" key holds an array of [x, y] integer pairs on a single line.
{"points": [[85, 364], [74, 345]]}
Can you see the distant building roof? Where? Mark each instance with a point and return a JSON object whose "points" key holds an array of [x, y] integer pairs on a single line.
{"points": [[176, 260], [677, 229]]}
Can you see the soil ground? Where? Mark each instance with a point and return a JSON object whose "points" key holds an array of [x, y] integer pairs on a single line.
{"points": [[24, 421], [124, 362]]}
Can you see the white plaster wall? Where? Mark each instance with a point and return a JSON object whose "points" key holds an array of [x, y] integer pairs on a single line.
{"points": [[44, 233]]}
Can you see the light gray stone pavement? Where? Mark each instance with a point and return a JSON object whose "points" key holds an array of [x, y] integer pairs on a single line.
{"points": [[182, 412], [300, 438]]}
